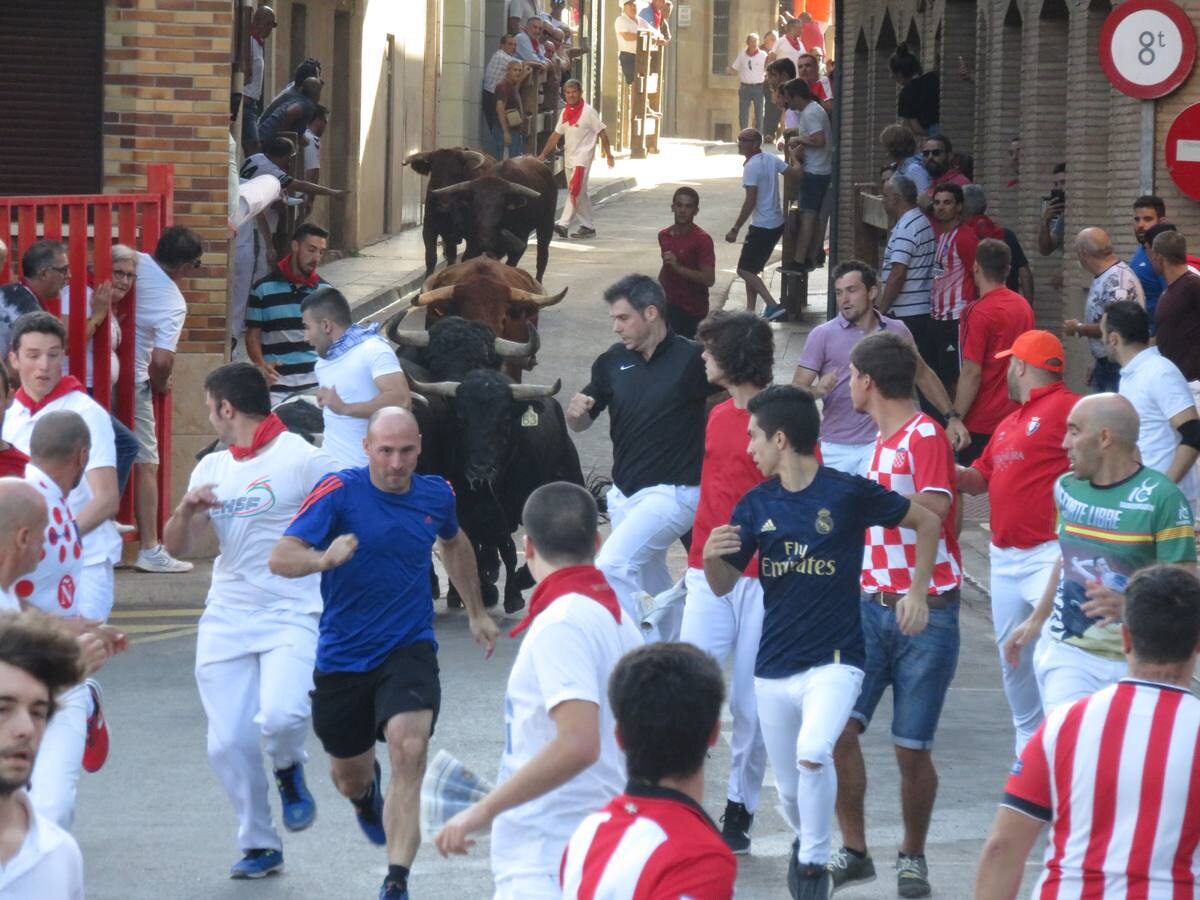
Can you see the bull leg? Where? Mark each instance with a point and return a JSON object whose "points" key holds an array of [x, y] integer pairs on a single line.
{"points": [[488, 559], [431, 238], [544, 233], [513, 600]]}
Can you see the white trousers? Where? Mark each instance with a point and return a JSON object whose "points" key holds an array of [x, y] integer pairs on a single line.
{"points": [[528, 887], [853, 459], [801, 717], [1066, 673], [55, 777], [254, 671], [721, 626], [1018, 582], [96, 591], [578, 210], [644, 526]]}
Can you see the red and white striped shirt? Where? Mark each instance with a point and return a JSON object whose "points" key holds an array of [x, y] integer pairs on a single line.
{"points": [[1117, 776], [953, 283], [650, 843], [916, 458]]}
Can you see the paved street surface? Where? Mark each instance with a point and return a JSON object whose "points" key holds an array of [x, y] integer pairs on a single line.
{"points": [[154, 823]]}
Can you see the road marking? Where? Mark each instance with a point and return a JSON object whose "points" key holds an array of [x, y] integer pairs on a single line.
{"points": [[155, 613], [149, 639]]}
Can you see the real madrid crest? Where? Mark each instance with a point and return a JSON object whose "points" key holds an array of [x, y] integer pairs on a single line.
{"points": [[1034, 424], [824, 521]]}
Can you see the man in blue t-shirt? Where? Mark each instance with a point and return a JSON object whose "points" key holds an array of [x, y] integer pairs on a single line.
{"points": [[806, 524], [370, 533], [1148, 212]]}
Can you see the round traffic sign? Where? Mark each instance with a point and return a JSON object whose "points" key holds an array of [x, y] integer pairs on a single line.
{"points": [[1147, 48], [1183, 151]]}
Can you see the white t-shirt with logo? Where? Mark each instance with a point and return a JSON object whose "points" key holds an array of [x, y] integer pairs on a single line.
{"points": [[103, 543], [260, 496], [762, 171], [1158, 391], [568, 654], [52, 586], [579, 140], [353, 374], [161, 311]]}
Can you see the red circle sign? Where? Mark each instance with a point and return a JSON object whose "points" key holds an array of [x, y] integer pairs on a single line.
{"points": [[1183, 151], [1147, 48]]}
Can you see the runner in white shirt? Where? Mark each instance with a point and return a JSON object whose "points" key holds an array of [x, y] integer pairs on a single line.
{"points": [[789, 45], [357, 372], [579, 127], [257, 641], [38, 859], [561, 759]]}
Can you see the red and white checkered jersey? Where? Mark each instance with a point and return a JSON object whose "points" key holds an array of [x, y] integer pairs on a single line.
{"points": [[953, 284], [1117, 776], [916, 458], [650, 843]]}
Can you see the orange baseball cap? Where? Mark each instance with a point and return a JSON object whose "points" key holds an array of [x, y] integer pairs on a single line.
{"points": [[1039, 349]]}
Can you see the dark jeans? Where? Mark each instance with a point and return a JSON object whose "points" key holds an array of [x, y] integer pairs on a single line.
{"points": [[750, 95], [1106, 377], [127, 451], [628, 66], [251, 110], [771, 114]]}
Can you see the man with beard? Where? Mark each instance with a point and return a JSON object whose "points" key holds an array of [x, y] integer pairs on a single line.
{"points": [[935, 153], [1148, 211]]}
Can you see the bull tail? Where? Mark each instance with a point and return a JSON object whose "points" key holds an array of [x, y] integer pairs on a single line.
{"points": [[598, 485]]}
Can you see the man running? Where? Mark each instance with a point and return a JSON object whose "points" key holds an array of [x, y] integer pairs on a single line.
{"points": [[370, 532], [257, 638], [653, 384], [579, 128], [806, 526], [561, 760]]}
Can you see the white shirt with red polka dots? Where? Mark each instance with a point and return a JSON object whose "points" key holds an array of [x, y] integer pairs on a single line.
{"points": [[51, 586]]}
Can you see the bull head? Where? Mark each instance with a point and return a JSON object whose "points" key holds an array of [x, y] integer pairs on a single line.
{"points": [[449, 389], [466, 187]]}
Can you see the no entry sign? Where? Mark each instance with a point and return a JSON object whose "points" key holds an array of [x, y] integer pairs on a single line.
{"points": [[1147, 48], [1183, 151]]}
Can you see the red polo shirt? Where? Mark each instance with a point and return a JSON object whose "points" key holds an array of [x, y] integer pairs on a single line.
{"points": [[989, 325], [694, 250], [1021, 463]]}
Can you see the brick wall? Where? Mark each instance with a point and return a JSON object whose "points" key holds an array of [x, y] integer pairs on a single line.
{"points": [[166, 100]]}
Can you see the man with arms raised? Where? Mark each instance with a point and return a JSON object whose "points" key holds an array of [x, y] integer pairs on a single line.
{"points": [[257, 638], [370, 532], [561, 758]]}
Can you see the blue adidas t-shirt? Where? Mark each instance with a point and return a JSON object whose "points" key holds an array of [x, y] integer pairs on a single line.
{"points": [[810, 548], [380, 599], [1152, 282]]}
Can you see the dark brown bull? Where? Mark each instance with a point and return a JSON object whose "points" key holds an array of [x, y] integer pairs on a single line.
{"points": [[444, 218], [501, 209], [485, 290]]}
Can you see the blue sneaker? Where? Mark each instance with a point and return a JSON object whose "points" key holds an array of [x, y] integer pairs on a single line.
{"points": [[389, 890], [771, 312], [299, 808], [258, 864], [370, 812]]}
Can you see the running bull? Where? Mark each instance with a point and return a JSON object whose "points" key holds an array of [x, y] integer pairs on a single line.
{"points": [[444, 218]]}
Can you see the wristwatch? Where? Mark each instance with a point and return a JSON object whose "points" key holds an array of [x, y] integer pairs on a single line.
{"points": [[952, 413]]}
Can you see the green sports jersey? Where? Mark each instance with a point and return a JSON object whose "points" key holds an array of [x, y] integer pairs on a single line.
{"points": [[1108, 533]]}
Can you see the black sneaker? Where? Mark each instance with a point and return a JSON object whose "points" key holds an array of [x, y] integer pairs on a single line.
{"points": [[735, 827], [850, 868], [793, 872], [813, 882], [912, 876], [582, 232], [560, 230]]}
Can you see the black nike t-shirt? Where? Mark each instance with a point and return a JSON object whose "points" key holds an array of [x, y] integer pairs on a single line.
{"points": [[656, 412], [810, 555]]}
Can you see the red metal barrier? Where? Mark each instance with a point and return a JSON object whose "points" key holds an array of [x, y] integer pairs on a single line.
{"points": [[86, 224]]}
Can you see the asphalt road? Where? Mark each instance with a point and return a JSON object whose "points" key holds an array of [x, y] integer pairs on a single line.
{"points": [[154, 823]]}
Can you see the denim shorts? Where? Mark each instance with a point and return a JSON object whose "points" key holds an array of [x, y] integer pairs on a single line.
{"points": [[919, 669]]}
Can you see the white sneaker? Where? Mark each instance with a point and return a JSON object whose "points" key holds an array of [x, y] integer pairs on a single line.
{"points": [[158, 560]]}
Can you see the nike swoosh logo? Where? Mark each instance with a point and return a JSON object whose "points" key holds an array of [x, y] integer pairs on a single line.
{"points": [[630, 366]]}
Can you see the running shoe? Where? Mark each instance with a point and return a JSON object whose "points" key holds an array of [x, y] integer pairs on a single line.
{"points": [[849, 868], [159, 561], [561, 230], [258, 864], [773, 311], [582, 232], [369, 810], [95, 750], [793, 870], [912, 876], [389, 890], [735, 827], [299, 808], [813, 882]]}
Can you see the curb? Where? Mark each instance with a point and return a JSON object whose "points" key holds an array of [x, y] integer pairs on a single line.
{"points": [[376, 304]]}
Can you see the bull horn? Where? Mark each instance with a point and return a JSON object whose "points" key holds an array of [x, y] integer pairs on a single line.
{"points": [[414, 157], [459, 188], [393, 332], [409, 338], [518, 349], [417, 398], [437, 295], [535, 391], [434, 388], [516, 295], [474, 158], [521, 189]]}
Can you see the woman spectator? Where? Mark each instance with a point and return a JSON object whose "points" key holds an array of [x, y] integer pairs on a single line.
{"points": [[901, 147]]}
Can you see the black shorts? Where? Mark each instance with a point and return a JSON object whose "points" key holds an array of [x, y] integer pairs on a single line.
{"points": [[628, 66], [973, 450], [812, 191], [760, 244], [350, 710], [682, 323]]}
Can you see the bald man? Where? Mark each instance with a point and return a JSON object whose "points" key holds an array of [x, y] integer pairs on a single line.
{"points": [[1112, 280], [371, 531], [262, 23], [1115, 516], [23, 517]]}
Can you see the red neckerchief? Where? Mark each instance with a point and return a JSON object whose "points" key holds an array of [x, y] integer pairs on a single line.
{"points": [[794, 41], [572, 112], [268, 429], [586, 580], [576, 185], [66, 385], [537, 46], [657, 18], [286, 270]]}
